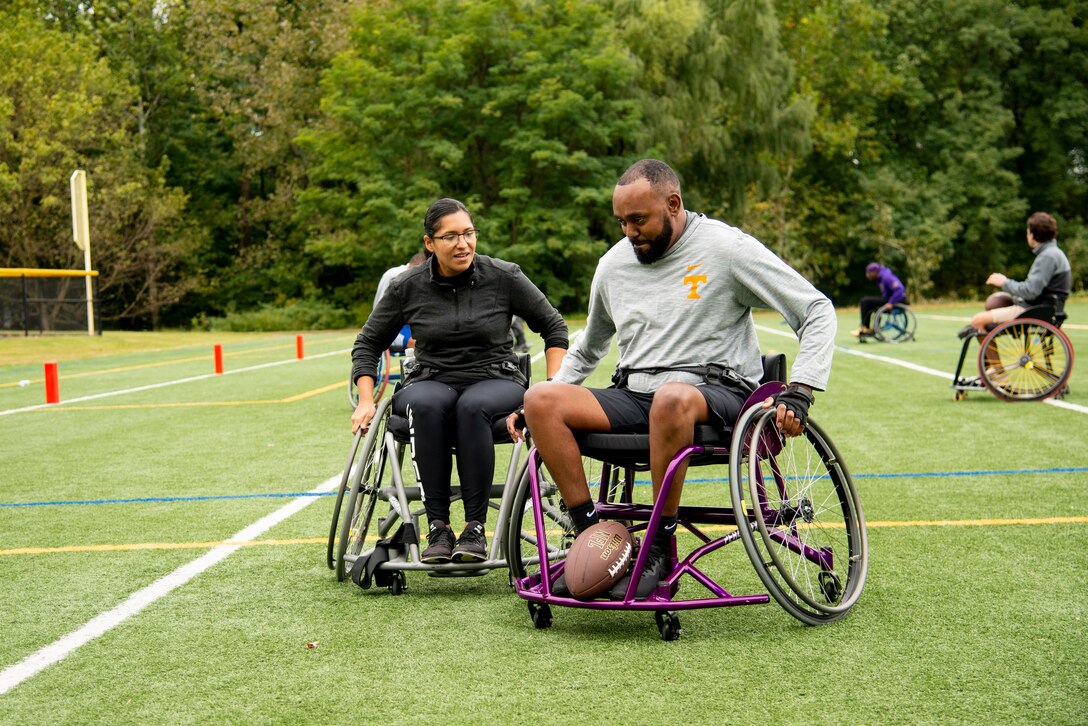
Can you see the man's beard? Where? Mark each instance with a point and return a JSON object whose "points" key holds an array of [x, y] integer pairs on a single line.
{"points": [[658, 245]]}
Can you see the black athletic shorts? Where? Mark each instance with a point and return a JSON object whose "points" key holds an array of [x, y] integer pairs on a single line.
{"points": [[629, 412]]}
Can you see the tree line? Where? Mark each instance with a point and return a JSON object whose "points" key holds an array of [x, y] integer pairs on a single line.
{"points": [[262, 163]]}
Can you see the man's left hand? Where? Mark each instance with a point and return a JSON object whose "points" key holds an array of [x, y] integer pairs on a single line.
{"points": [[996, 279], [792, 404]]}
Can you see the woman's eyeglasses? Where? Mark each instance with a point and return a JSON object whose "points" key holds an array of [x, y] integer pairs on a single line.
{"points": [[469, 235]]}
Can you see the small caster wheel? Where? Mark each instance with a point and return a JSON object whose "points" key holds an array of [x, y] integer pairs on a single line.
{"points": [[541, 615], [668, 624], [398, 584], [959, 395], [830, 585]]}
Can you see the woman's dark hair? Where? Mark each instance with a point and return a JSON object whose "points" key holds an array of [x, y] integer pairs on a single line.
{"points": [[440, 209], [1043, 227]]}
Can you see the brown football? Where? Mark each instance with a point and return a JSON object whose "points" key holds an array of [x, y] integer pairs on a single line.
{"points": [[599, 556]]}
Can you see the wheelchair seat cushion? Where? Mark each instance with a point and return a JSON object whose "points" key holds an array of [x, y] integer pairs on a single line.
{"points": [[634, 449], [398, 426]]}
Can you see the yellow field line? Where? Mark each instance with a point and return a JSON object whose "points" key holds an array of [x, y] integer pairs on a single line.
{"points": [[321, 540], [260, 402], [315, 392]]}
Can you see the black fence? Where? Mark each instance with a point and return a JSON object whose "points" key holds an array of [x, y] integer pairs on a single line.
{"points": [[44, 304]]}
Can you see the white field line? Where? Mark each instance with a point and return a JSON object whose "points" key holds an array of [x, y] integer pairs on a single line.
{"points": [[60, 649], [573, 337], [103, 623], [164, 384], [956, 319], [914, 367]]}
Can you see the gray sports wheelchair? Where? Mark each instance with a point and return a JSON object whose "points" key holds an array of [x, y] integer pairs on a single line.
{"points": [[374, 537]]}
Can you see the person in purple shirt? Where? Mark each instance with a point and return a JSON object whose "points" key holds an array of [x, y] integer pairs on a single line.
{"points": [[891, 292]]}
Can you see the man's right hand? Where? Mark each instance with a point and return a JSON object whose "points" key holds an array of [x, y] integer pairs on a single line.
{"points": [[364, 414]]}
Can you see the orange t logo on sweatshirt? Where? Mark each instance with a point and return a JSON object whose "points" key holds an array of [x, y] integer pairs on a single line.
{"points": [[694, 281]]}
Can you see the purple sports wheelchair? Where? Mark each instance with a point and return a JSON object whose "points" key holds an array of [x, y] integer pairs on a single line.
{"points": [[794, 509]]}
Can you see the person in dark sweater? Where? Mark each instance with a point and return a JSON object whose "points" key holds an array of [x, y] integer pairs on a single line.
{"points": [[459, 305], [1049, 280]]}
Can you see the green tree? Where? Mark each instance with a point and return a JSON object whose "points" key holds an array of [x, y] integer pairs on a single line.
{"points": [[825, 219], [255, 68], [520, 109], [62, 108], [714, 83]]}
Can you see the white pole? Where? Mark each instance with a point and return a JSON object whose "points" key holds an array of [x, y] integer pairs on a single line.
{"points": [[81, 233]]}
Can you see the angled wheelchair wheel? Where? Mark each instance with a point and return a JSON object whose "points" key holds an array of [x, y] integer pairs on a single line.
{"points": [[1025, 360], [521, 547], [341, 490], [803, 528], [894, 325], [385, 364], [357, 510]]}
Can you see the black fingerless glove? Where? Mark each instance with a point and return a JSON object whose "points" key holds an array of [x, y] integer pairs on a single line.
{"points": [[519, 422], [796, 399]]}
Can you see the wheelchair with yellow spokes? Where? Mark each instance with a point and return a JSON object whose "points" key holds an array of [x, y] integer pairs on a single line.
{"points": [[1027, 358]]}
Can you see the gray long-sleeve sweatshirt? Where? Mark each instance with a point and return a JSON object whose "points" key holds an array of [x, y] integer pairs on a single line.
{"points": [[1050, 275], [694, 306]]}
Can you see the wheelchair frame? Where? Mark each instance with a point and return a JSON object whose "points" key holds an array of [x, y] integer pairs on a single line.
{"points": [[1040, 353], [767, 531], [385, 376], [373, 472]]}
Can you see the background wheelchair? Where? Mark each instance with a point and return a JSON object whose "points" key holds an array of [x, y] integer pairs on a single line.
{"points": [[1027, 358], [374, 537], [794, 509], [897, 324]]}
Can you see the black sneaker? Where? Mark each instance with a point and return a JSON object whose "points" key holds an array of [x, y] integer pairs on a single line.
{"points": [[471, 545], [559, 587], [440, 547], [657, 569]]}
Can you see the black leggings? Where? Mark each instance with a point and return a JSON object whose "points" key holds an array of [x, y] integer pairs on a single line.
{"points": [[441, 415]]}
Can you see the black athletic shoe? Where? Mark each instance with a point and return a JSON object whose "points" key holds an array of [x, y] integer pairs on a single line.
{"points": [[440, 547], [657, 569], [559, 587], [471, 545]]}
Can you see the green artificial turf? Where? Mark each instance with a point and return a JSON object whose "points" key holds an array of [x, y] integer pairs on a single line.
{"points": [[965, 617]]}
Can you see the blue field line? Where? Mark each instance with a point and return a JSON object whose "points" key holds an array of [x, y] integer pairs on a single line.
{"points": [[156, 500], [288, 495]]}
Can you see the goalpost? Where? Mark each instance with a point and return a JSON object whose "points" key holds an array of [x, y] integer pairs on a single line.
{"points": [[44, 300], [81, 232]]}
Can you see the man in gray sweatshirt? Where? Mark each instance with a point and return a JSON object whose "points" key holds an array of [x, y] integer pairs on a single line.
{"points": [[677, 292]]}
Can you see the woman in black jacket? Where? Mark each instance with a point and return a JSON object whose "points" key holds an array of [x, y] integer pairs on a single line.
{"points": [[459, 306]]}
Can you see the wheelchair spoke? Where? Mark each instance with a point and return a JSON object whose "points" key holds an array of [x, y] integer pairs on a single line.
{"points": [[1025, 360], [807, 538]]}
